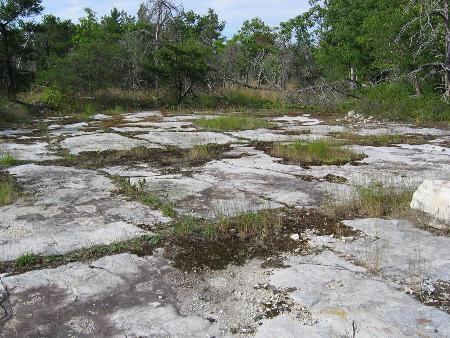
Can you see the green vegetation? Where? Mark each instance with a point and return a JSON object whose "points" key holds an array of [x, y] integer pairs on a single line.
{"points": [[381, 140], [315, 153], [395, 102], [26, 260], [230, 123], [361, 55], [254, 226], [137, 192], [141, 246], [8, 189], [204, 153], [377, 200], [8, 160]]}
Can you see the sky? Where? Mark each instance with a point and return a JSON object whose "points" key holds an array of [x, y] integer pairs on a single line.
{"points": [[234, 12]]}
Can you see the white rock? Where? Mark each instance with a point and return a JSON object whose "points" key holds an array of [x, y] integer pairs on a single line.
{"points": [[295, 237], [433, 198]]}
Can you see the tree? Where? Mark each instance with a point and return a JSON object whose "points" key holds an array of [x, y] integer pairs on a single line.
{"points": [[15, 48], [182, 66], [53, 39], [430, 28]]}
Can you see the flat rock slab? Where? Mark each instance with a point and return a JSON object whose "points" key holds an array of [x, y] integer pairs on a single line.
{"points": [[228, 187], [141, 116], [305, 120], [116, 296], [338, 294], [102, 142], [66, 209], [38, 151], [266, 135], [186, 139], [397, 249]]}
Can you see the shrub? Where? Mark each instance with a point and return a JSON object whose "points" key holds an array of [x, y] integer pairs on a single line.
{"points": [[54, 97]]}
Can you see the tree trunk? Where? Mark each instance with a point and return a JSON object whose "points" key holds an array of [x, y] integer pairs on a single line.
{"points": [[447, 47], [11, 84], [416, 85], [353, 79]]}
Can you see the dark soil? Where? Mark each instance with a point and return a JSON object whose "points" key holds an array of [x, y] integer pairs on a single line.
{"points": [[197, 253], [174, 158]]}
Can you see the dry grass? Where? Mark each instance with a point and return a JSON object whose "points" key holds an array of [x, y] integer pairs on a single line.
{"points": [[203, 153], [315, 153]]}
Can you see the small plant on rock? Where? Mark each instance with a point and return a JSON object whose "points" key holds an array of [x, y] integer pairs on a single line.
{"points": [[26, 260]]}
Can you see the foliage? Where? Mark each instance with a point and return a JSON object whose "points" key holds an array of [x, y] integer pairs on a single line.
{"points": [[394, 101], [54, 97], [15, 48]]}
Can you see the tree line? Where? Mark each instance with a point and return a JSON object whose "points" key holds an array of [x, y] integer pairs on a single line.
{"points": [[168, 49]]}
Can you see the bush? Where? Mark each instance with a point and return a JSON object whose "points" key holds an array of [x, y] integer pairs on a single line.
{"points": [[54, 97], [394, 101]]}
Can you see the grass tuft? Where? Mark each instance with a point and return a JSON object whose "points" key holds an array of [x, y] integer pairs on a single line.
{"points": [[315, 153], [203, 153], [230, 123], [8, 189], [26, 260], [382, 140], [377, 200], [8, 160], [137, 192]]}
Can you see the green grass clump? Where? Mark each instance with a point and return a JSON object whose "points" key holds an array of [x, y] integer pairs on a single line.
{"points": [[188, 226], [25, 260], [8, 160], [255, 225], [381, 140], [8, 190], [202, 153], [230, 123], [377, 200], [315, 153]]}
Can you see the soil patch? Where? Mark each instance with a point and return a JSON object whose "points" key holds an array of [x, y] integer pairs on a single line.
{"points": [[195, 253]]}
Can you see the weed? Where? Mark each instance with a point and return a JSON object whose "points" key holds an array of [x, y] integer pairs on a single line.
{"points": [[26, 260], [189, 226], [315, 153], [88, 111], [203, 153], [8, 189], [137, 192], [230, 123], [8, 160], [382, 140], [375, 201], [141, 246]]}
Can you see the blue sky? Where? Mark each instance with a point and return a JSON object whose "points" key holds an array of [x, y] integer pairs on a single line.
{"points": [[234, 12]]}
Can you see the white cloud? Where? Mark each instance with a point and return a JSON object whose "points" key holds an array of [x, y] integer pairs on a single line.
{"points": [[234, 12]]}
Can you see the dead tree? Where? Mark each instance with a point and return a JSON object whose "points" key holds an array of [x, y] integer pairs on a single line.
{"points": [[433, 22]]}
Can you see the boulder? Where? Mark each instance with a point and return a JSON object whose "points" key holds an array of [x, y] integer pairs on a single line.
{"points": [[433, 198]]}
